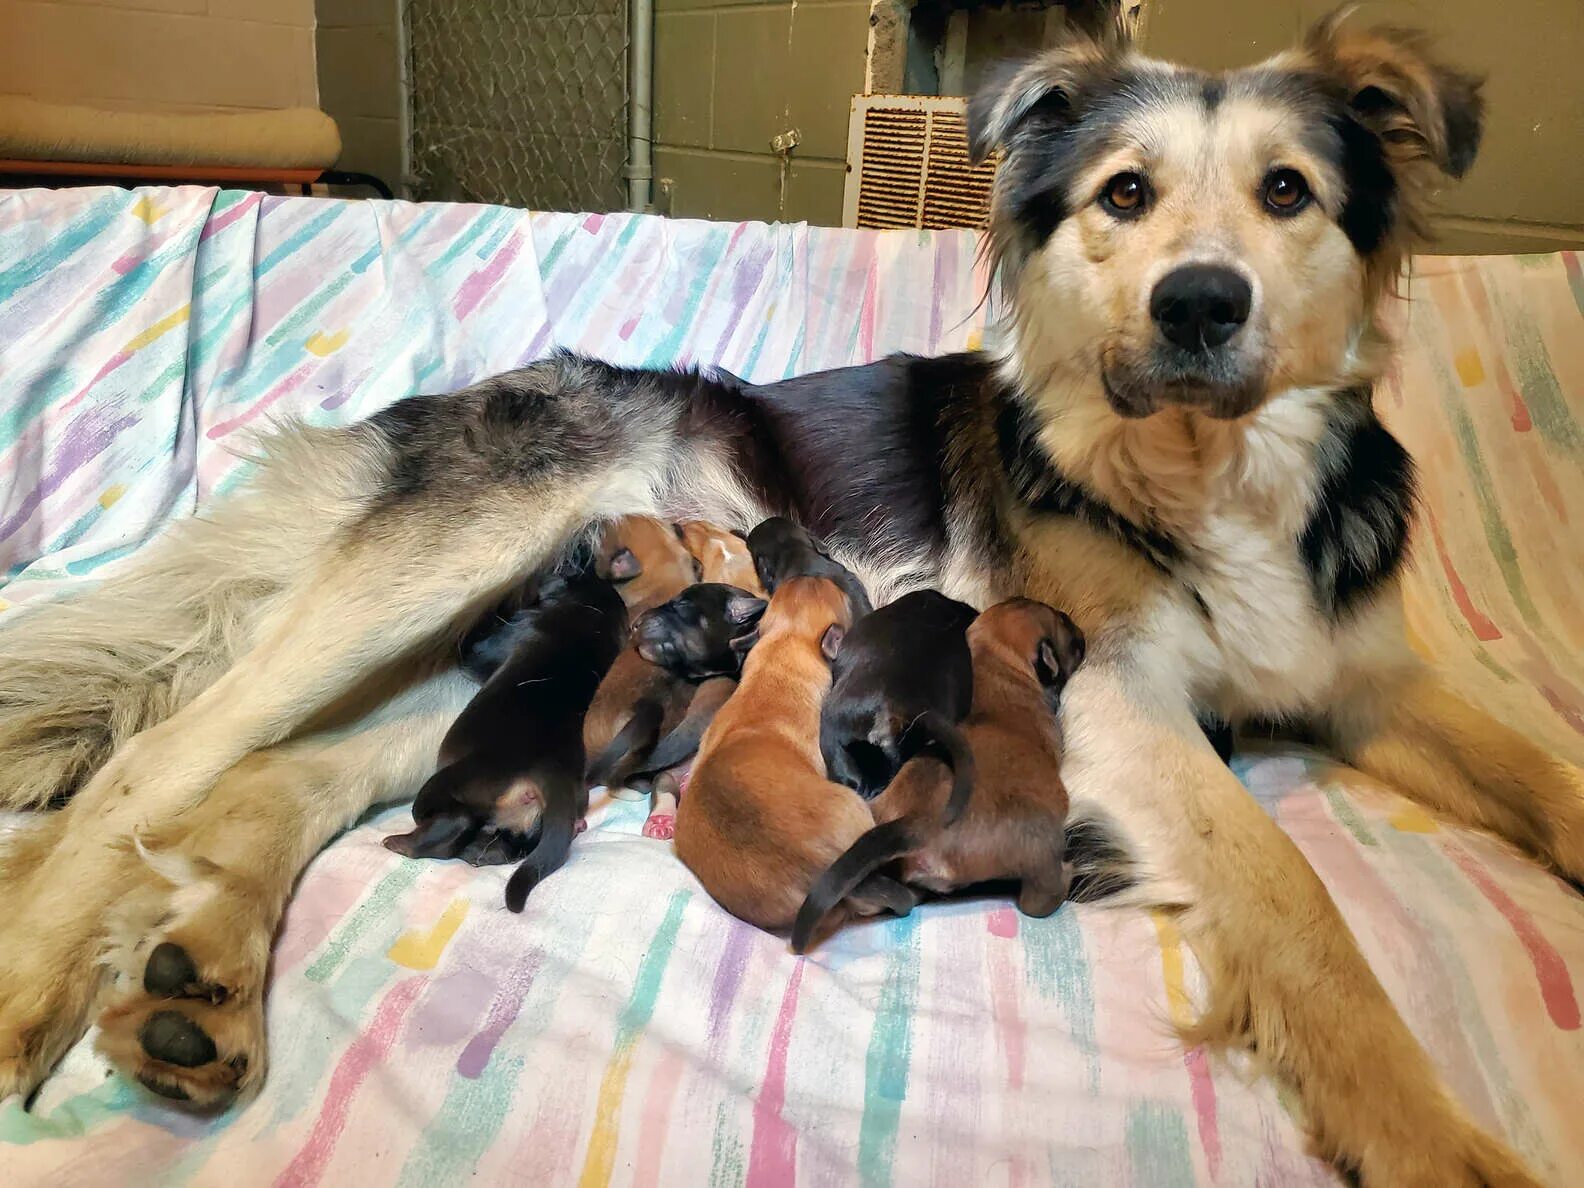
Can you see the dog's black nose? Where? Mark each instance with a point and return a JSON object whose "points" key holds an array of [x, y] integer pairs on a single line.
{"points": [[1200, 306]]}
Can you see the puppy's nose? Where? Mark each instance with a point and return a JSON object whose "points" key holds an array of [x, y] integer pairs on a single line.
{"points": [[1200, 306]]}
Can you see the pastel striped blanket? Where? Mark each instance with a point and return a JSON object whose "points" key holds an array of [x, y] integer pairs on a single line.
{"points": [[625, 1030]]}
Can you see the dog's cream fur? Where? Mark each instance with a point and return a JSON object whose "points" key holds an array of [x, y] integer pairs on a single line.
{"points": [[265, 621]]}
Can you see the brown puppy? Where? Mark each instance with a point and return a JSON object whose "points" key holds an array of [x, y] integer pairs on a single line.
{"points": [[1013, 827], [638, 701], [760, 821], [722, 556]]}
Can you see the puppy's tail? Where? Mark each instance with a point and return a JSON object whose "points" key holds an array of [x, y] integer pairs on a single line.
{"points": [[80, 676], [557, 828], [940, 731], [683, 742], [882, 844], [624, 754]]}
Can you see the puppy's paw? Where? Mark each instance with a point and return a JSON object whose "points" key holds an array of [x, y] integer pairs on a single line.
{"points": [[660, 826]]}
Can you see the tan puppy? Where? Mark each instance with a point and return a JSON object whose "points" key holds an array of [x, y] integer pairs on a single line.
{"points": [[722, 556], [1023, 652], [638, 701], [760, 821]]}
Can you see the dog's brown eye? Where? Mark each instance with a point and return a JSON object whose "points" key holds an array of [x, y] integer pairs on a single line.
{"points": [[1125, 194], [1286, 192]]}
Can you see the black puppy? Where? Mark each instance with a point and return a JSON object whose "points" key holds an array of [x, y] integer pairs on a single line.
{"points": [[701, 636], [512, 764], [901, 684], [782, 550]]}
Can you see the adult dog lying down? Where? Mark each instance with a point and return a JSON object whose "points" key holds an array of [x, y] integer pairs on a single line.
{"points": [[1176, 446]]}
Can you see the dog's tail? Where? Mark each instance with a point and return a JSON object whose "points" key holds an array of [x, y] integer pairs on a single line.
{"points": [[626, 751], [942, 735], [882, 844], [80, 676], [683, 742], [1102, 865], [557, 828]]}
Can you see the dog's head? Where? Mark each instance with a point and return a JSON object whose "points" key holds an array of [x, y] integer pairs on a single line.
{"points": [[1176, 238]]}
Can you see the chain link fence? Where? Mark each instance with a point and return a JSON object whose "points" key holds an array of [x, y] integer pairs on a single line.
{"points": [[519, 102]]}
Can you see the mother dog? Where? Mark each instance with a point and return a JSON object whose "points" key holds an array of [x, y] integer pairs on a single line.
{"points": [[1176, 445]]}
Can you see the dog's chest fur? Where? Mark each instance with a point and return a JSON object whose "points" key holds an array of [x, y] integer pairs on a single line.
{"points": [[1264, 535]]}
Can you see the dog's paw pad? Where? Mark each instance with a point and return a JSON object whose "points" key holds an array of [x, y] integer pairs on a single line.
{"points": [[172, 1037], [660, 826], [170, 973]]}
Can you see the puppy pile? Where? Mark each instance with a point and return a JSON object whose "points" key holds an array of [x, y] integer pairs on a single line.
{"points": [[837, 760]]}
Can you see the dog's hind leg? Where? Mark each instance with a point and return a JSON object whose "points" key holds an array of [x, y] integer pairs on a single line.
{"points": [[185, 916], [1406, 728], [1286, 977]]}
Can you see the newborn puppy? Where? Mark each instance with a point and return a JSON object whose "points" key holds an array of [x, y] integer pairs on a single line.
{"points": [[722, 556], [1013, 828], [637, 701], [760, 821], [901, 682], [512, 763], [646, 560], [782, 550]]}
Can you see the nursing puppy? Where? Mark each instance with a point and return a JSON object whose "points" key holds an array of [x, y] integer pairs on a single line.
{"points": [[1013, 828], [637, 701], [782, 549], [701, 636], [901, 682], [512, 764], [722, 556], [760, 821]]}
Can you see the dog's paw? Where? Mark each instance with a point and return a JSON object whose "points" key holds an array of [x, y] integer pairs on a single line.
{"points": [[190, 953], [660, 826], [186, 1033]]}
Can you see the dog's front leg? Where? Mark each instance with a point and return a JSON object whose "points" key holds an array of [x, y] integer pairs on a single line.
{"points": [[1402, 725], [1286, 976]]}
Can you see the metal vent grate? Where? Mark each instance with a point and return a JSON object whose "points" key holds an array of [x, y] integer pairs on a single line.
{"points": [[908, 165]]}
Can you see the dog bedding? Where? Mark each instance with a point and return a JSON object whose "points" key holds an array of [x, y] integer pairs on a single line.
{"points": [[625, 1030]]}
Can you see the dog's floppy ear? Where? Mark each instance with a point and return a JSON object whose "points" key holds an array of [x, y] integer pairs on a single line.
{"points": [[1042, 91], [1419, 109], [1059, 653], [744, 608], [623, 566], [831, 641]]}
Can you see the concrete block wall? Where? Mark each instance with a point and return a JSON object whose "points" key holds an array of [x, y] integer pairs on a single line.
{"points": [[731, 75], [167, 55], [360, 85]]}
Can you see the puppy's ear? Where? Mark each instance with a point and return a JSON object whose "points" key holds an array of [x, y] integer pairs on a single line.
{"points": [[831, 641], [1038, 94], [742, 644], [623, 566], [1059, 653], [744, 608], [1419, 109]]}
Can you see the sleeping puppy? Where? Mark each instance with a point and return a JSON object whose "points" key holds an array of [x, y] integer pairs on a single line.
{"points": [[701, 636], [760, 822], [512, 764], [722, 556], [637, 702], [900, 684], [1023, 653], [646, 559], [782, 550]]}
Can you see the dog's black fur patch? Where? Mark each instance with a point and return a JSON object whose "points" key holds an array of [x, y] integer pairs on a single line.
{"points": [[1357, 534], [1042, 487]]}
